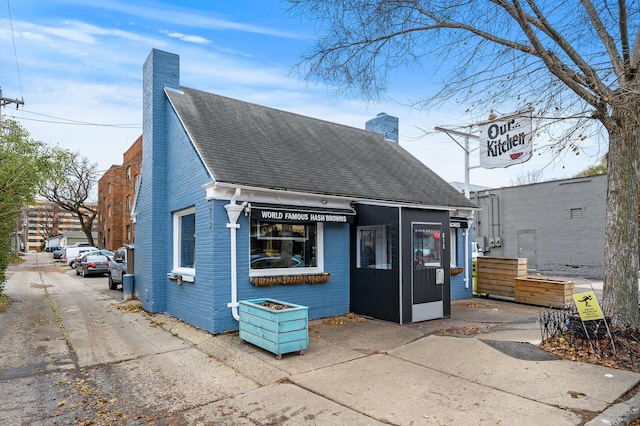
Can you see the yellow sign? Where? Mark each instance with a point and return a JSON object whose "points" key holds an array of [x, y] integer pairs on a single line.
{"points": [[588, 306]]}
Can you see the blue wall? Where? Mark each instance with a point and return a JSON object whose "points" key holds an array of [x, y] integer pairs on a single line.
{"points": [[191, 302], [458, 290], [173, 176], [153, 223], [327, 299]]}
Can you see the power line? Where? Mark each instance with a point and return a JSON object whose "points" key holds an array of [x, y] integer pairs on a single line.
{"points": [[15, 53], [79, 123]]}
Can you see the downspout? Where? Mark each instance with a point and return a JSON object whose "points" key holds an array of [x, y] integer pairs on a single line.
{"points": [[233, 211], [466, 258], [466, 250]]}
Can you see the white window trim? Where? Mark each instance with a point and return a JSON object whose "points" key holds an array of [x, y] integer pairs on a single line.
{"points": [[297, 271], [177, 270]]}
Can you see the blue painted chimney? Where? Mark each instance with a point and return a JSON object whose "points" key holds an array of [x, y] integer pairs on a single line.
{"points": [[385, 125]]}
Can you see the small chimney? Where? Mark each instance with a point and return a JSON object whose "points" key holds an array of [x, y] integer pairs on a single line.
{"points": [[385, 125]]}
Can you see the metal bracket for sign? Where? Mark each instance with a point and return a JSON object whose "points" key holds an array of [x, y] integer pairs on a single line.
{"points": [[467, 152]]}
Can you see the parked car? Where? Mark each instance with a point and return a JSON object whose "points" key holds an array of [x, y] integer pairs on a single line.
{"points": [[59, 252], [107, 253], [475, 250], [92, 264], [72, 252], [276, 262], [117, 268]]}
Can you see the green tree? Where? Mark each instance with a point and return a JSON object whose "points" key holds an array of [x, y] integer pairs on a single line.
{"points": [[562, 59], [24, 166], [598, 169], [71, 188]]}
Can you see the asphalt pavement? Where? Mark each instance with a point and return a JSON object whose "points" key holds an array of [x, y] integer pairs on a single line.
{"points": [[481, 366]]}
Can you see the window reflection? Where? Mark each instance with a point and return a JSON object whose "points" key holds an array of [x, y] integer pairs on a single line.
{"points": [[427, 245], [374, 247], [283, 245]]}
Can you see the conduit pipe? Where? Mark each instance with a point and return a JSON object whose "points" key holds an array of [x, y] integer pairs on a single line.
{"points": [[466, 250], [466, 258], [233, 211]]}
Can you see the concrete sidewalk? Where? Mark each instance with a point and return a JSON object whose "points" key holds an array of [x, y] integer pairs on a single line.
{"points": [[426, 373], [476, 367]]}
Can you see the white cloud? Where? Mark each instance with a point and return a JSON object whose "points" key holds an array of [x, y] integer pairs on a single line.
{"points": [[171, 14], [90, 70], [188, 38], [69, 34], [195, 39]]}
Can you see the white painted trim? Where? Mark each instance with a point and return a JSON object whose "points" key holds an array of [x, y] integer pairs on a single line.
{"points": [[222, 191], [176, 269], [297, 271]]}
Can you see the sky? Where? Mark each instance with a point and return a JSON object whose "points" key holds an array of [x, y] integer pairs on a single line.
{"points": [[77, 66]]}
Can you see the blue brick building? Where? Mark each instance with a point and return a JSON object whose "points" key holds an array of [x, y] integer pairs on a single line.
{"points": [[239, 201]]}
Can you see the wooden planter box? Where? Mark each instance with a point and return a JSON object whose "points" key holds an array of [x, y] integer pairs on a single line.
{"points": [[496, 276], [542, 291], [277, 331]]}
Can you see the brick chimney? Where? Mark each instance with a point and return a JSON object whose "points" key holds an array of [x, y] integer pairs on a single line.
{"points": [[385, 125]]}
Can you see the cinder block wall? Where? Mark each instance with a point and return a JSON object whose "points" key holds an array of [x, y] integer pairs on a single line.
{"points": [[566, 218]]}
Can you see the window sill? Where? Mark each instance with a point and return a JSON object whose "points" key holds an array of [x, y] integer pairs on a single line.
{"points": [[270, 272], [181, 277]]}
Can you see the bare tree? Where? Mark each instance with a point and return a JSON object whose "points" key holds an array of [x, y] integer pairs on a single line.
{"points": [[532, 176], [71, 189], [577, 59], [46, 222]]}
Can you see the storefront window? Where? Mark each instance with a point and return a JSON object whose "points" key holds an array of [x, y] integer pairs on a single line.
{"points": [[374, 247], [427, 245], [283, 245]]}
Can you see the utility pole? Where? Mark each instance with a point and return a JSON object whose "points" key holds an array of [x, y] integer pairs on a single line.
{"points": [[6, 101]]}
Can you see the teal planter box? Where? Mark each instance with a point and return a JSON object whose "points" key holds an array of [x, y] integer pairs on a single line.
{"points": [[277, 331]]}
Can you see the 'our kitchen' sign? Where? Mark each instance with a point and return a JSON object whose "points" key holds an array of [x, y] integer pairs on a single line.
{"points": [[506, 141]]}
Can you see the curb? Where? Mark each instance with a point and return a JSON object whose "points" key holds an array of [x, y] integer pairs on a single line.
{"points": [[620, 414]]}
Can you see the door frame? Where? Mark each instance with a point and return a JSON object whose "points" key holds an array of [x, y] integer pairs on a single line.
{"points": [[435, 276]]}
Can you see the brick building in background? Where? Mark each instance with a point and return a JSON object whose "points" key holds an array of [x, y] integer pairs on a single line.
{"points": [[116, 191]]}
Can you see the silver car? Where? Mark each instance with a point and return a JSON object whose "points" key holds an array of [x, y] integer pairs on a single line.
{"points": [[93, 264]]}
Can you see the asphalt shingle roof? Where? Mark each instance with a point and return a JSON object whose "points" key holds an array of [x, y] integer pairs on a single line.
{"points": [[246, 144]]}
